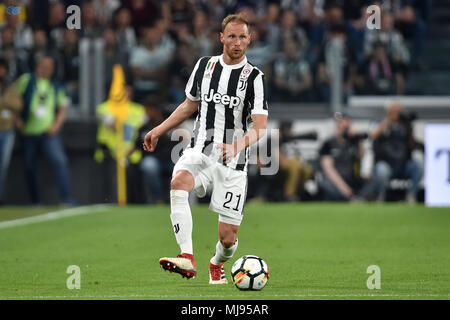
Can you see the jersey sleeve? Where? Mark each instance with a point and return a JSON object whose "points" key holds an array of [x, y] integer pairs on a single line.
{"points": [[260, 103], [192, 87]]}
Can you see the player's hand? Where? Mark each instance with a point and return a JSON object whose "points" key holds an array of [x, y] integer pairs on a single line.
{"points": [[227, 151], [150, 141]]}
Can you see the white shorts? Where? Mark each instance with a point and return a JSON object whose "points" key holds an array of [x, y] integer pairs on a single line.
{"points": [[229, 186]]}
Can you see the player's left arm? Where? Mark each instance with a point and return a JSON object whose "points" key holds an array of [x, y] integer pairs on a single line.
{"points": [[229, 151], [259, 113]]}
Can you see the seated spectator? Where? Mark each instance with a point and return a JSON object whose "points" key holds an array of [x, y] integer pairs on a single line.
{"points": [[41, 49], [56, 24], [287, 30], [292, 75], [40, 123], [310, 13], [22, 33], [180, 71], [71, 64], [340, 158], [158, 165], [260, 52], [144, 13], [335, 52], [91, 25], [16, 59], [180, 13], [411, 23], [393, 146], [113, 55], [380, 74], [149, 61], [22, 11], [10, 106], [392, 40], [333, 16], [105, 10], [200, 38], [126, 36]]}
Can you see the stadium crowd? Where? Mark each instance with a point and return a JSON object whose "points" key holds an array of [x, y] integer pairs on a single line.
{"points": [[158, 43]]}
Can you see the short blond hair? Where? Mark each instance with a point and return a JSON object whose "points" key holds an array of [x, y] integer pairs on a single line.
{"points": [[232, 18]]}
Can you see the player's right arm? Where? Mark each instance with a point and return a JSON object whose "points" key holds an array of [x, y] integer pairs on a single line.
{"points": [[181, 113]]}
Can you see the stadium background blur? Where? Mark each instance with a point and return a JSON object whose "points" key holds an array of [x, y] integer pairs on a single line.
{"points": [[158, 43]]}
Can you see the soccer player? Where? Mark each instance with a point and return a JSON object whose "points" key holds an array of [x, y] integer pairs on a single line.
{"points": [[229, 94]]}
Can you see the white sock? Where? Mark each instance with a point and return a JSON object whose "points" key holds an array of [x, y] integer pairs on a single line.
{"points": [[223, 254], [181, 219]]}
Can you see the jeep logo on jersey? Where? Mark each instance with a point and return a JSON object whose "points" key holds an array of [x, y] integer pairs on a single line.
{"points": [[224, 99]]}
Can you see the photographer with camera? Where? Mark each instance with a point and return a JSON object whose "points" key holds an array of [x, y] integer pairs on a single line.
{"points": [[340, 161], [393, 143]]}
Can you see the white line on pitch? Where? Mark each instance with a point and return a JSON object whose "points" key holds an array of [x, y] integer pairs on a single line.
{"points": [[54, 215], [233, 296]]}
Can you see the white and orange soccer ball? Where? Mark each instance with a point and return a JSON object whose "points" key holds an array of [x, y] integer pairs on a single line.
{"points": [[250, 273]]}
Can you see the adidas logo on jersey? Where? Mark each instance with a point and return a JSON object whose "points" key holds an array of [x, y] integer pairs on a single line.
{"points": [[224, 99]]}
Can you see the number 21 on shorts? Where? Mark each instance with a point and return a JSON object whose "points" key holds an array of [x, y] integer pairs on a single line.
{"points": [[232, 201]]}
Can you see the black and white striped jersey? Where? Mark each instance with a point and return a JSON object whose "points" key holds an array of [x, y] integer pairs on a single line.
{"points": [[228, 95]]}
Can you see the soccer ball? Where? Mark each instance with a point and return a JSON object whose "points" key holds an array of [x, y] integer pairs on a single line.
{"points": [[250, 273]]}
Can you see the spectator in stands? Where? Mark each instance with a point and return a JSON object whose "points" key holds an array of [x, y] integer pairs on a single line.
{"points": [[336, 51], [340, 158], [201, 35], [333, 16], [40, 123], [22, 11], [41, 49], [310, 12], [180, 13], [56, 24], [22, 33], [292, 75], [113, 55], [106, 151], [105, 10], [91, 25], [393, 41], [180, 70], [156, 166], [126, 36], [410, 22], [288, 30], [380, 73], [149, 61], [10, 106], [17, 60], [260, 52], [143, 13], [71, 64], [393, 146]]}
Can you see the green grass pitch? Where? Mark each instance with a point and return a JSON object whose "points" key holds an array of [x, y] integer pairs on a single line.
{"points": [[314, 251]]}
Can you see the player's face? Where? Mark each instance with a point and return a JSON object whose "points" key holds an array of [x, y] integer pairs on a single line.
{"points": [[235, 39]]}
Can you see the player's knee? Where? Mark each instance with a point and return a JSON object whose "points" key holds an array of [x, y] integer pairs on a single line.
{"points": [[177, 184], [182, 181]]}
